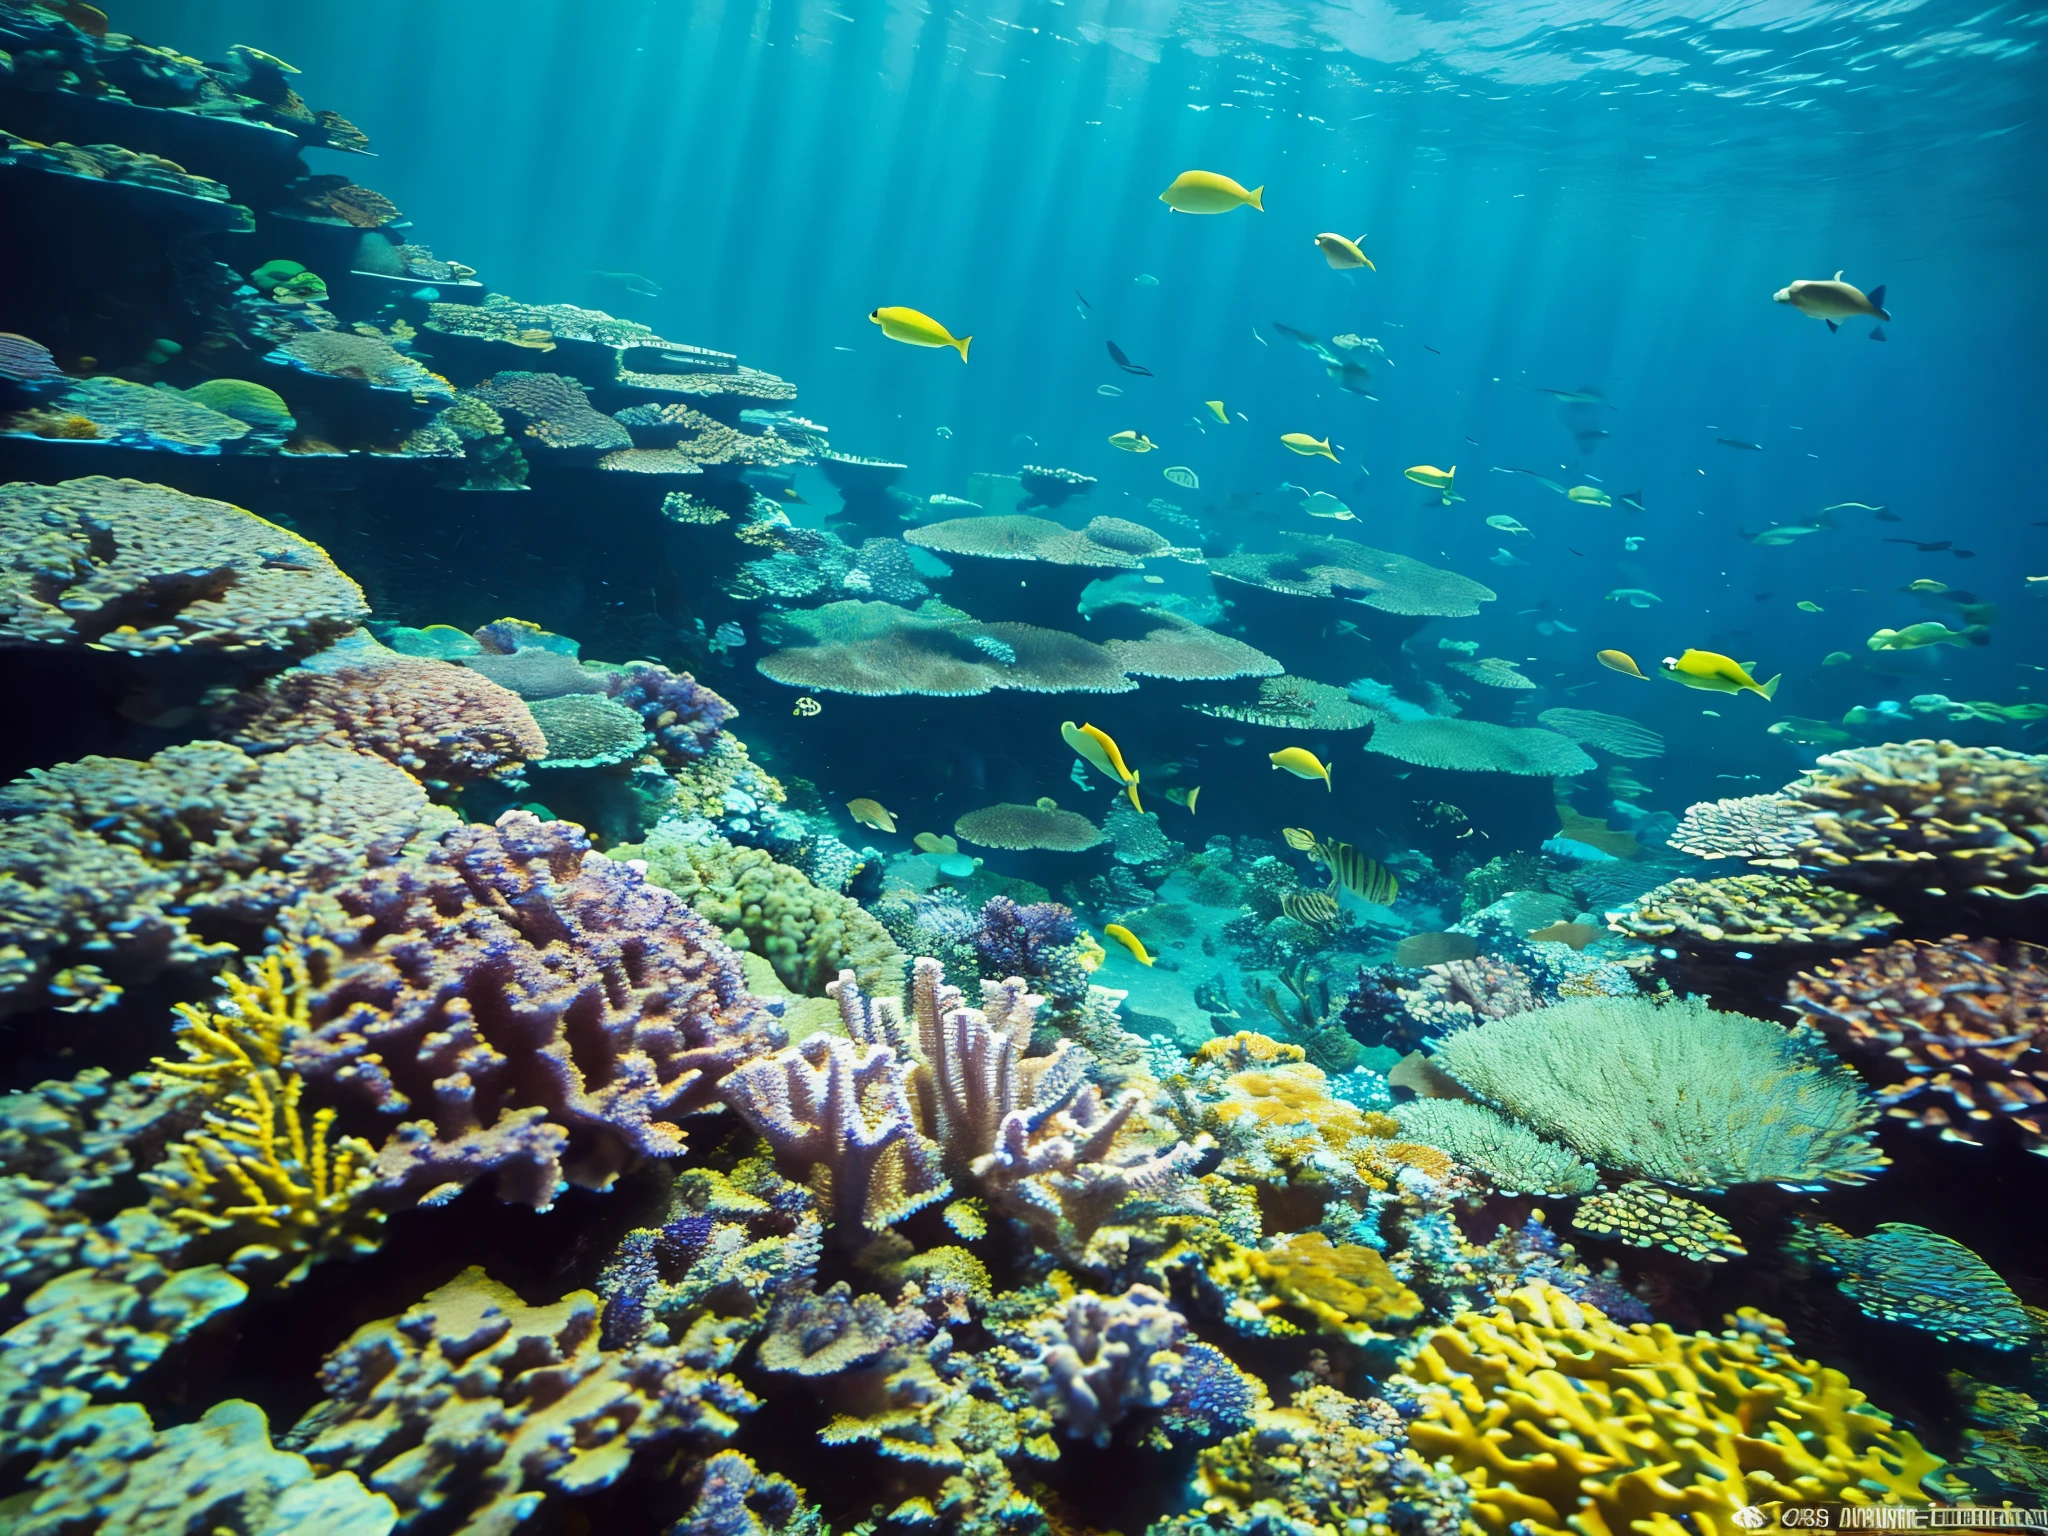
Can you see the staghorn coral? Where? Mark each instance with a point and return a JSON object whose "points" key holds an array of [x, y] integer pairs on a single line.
{"points": [[115, 872], [807, 933], [1928, 814], [1615, 734], [371, 359], [1476, 746], [1764, 829], [1295, 703], [118, 565], [1644, 1216], [471, 1403], [587, 730], [1091, 1359], [1560, 1420], [1347, 1289], [1514, 1158], [1751, 912], [1964, 1019], [1906, 1274], [1317, 566], [1041, 826], [556, 411], [1679, 1093], [547, 1011], [437, 721]]}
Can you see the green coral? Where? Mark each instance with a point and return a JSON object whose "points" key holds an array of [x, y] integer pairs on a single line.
{"points": [[1515, 1158], [263, 409], [807, 933]]}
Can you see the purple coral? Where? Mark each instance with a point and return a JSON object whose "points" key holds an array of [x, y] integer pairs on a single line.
{"points": [[549, 1011], [683, 715], [1034, 942], [1092, 1359]]}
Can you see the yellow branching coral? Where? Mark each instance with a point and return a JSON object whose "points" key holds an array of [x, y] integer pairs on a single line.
{"points": [[1565, 1423], [254, 1174], [1347, 1289]]}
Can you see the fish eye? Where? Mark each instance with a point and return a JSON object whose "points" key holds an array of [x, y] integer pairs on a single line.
{"points": [[1669, 663]]}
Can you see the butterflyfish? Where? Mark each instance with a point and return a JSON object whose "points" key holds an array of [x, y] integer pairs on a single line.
{"points": [[1361, 876]]}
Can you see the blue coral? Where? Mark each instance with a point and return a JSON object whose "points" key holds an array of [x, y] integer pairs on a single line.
{"points": [[683, 715]]}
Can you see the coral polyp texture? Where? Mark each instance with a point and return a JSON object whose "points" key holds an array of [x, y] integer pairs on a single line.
{"points": [[1764, 829], [1563, 1421], [879, 650], [1752, 912], [1961, 1020], [554, 411], [1928, 815], [1295, 703], [1478, 746], [1906, 1274], [1018, 536], [118, 565], [1678, 1092], [1514, 1158], [1024, 827], [1642, 1215]]}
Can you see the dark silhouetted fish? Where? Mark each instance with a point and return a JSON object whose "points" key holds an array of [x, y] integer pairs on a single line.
{"points": [[1736, 442], [1932, 548], [629, 282], [1116, 355]]}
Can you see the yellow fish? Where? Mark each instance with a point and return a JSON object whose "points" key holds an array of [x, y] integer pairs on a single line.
{"points": [[869, 813], [1216, 410], [900, 324], [1208, 192], [1129, 940], [1100, 749], [1302, 763], [1444, 480], [1620, 661], [1132, 442], [1184, 797], [1805, 606], [1590, 496], [1308, 447], [1344, 254], [1716, 673]]}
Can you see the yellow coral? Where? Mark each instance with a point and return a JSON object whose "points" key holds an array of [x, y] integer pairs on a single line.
{"points": [[1344, 1287], [253, 1171], [1565, 1423]]}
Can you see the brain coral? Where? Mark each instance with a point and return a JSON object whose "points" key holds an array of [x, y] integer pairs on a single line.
{"points": [[1477, 746], [1029, 826], [556, 410], [1751, 911], [1929, 813], [435, 720], [548, 1011], [807, 933], [1679, 1092], [1326, 567], [118, 565], [1563, 1421]]}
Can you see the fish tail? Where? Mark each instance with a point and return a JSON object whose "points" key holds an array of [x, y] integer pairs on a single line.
{"points": [[1194, 795], [1326, 781], [1131, 789], [1770, 689], [960, 346], [1876, 297], [1257, 198]]}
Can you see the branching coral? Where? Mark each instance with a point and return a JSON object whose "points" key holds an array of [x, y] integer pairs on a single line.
{"points": [[1680, 1093], [1930, 814], [736, 1498], [1966, 1019], [118, 565], [1907, 1274], [1513, 1157], [1092, 1359], [1751, 912], [1347, 1289], [1561, 1420], [1642, 1215]]}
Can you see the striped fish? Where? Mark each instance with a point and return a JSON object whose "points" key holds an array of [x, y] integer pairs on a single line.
{"points": [[1316, 908], [1361, 876], [1300, 839]]}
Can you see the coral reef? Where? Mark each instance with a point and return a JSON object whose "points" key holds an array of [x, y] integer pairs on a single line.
{"points": [[1348, 1290], [1475, 746], [1043, 826], [1614, 734], [1764, 829], [1295, 703], [1316, 566], [1644, 1216], [1751, 912], [1515, 1159], [1091, 1359], [555, 411], [587, 730]]}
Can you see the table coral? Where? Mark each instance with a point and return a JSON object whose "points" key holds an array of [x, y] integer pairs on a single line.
{"points": [[1676, 1092], [1477, 746], [1043, 826], [118, 565], [1929, 814], [1642, 1215], [370, 359], [549, 1011], [139, 416], [1906, 1274], [1751, 912], [1317, 566], [1561, 1421], [471, 1402], [1616, 734], [1965, 1019], [1514, 1158], [556, 410]]}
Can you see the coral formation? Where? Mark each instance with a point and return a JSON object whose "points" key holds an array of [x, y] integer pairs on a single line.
{"points": [[1515, 1159], [1615, 734], [1476, 746], [1043, 825], [1295, 703], [555, 409], [586, 730], [1091, 1359], [1907, 1274], [1642, 1215], [1751, 912], [1325, 567], [1764, 829]]}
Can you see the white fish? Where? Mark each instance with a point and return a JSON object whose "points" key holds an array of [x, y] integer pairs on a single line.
{"points": [[1502, 557], [1323, 504], [1146, 280], [1108, 389], [1506, 524]]}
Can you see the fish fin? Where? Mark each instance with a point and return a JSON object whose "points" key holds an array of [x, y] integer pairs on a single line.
{"points": [[1368, 262], [1257, 198], [1877, 333], [961, 346], [1131, 789], [1832, 327], [1838, 277], [1194, 795], [1876, 297], [1770, 689]]}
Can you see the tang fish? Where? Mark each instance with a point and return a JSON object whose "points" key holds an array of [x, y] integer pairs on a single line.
{"points": [[1186, 797], [1132, 442], [1444, 480], [1635, 597], [1302, 763], [907, 325], [1308, 447], [1344, 254], [1590, 496], [1832, 300], [1216, 409], [1716, 674], [1129, 940], [1323, 504], [1506, 524], [1210, 192], [869, 813]]}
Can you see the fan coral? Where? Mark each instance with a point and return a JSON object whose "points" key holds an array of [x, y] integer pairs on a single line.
{"points": [[807, 933], [1295, 703], [372, 359], [556, 410], [1326, 567], [1091, 1359], [1907, 1274], [1610, 733], [1764, 829], [1679, 1092], [1928, 813], [587, 730], [1475, 746], [1042, 826], [549, 1011], [472, 1400], [1967, 1019], [117, 565], [1751, 912], [1559, 1420], [435, 720], [1644, 1216], [1514, 1158], [1347, 1289]]}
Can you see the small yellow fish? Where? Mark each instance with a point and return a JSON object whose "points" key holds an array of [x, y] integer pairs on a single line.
{"points": [[1101, 750], [1129, 940], [1308, 447], [1716, 673], [1622, 662], [1806, 606], [1344, 254], [1302, 763], [900, 324], [1209, 192], [1132, 442], [1444, 480], [1216, 410], [869, 813], [1590, 496]]}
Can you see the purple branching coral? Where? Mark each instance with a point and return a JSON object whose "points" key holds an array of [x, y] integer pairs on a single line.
{"points": [[1035, 942], [813, 1334], [549, 1012], [683, 715], [1092, 1359]]}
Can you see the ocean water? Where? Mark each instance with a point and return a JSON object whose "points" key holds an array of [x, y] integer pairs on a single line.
{"points": [[1561, 433]]}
